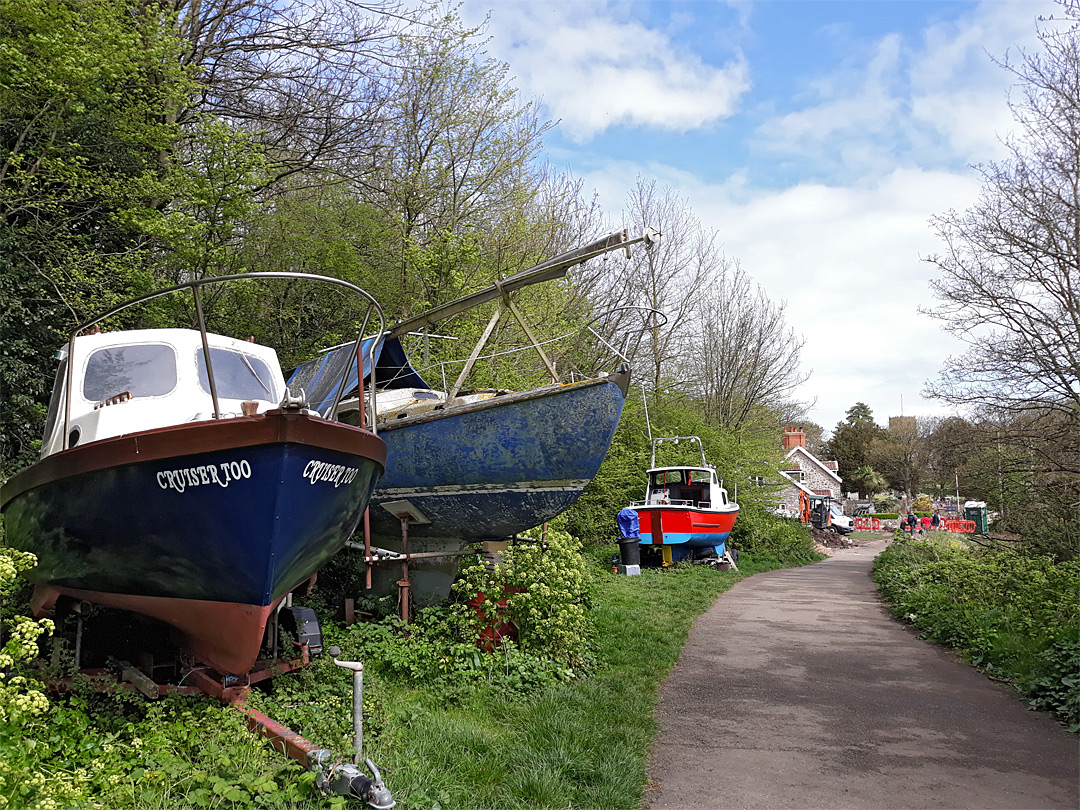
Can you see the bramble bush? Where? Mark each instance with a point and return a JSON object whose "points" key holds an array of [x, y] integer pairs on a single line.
{"points": [[1014, 614]]}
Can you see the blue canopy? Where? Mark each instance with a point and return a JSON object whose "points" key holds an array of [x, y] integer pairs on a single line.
{"points": [[628, 524], [321, 378]]}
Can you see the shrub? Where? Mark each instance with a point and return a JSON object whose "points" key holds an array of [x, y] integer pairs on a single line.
{"points": [[923, 504], [1008, 612], [20, 693], [766, 536], [1055, 684], [544, 586]]}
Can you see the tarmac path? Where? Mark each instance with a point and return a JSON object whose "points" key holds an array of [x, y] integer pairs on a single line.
{"points": [[797, 689]]}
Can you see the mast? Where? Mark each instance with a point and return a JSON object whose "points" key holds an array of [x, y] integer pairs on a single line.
{"points": [[553, 268]]}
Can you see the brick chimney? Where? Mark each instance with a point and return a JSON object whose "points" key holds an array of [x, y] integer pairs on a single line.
{"points": [[793, 437]]}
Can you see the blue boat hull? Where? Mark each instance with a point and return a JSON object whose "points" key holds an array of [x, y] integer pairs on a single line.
{"points": [[206, 541], [497, 468], [490, 470]]}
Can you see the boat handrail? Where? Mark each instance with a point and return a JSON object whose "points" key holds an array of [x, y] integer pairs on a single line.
{"points": [[668, 502], [195, 285], [676, 440]]}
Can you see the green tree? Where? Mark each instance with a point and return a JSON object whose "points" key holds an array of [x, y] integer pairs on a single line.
{"points": [[867, 481], [82, 130], [900, 454], [852, 440]]}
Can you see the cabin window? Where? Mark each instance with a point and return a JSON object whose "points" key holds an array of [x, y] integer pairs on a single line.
{"points": [[661, 479], [144, 370], [237, 375]]}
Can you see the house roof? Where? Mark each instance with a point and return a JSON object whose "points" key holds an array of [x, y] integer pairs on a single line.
{"points": [[810, 457]]}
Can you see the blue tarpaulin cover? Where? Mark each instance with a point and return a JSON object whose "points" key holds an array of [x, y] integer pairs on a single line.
{"points": [[321, 377], [628, 524]]}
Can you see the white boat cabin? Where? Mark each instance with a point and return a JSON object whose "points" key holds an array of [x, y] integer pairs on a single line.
{"points": [[128, 381], [685, 486]]}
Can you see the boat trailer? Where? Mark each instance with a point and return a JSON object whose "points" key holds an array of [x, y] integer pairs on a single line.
{"points": [[334, 775]]}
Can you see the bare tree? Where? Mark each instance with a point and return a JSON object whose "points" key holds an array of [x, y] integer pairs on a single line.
{"points": [[668, 277], [304, 79], [739, 350], [1010, 283]]}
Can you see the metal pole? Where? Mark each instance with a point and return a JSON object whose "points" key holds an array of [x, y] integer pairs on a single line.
{"points": [[648, 424], [367, 548], [403, 583], [358, 711], [206, 351]]}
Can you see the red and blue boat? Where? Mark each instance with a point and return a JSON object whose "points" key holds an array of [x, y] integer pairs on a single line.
{"points": [[180, 479], [686, 514]]}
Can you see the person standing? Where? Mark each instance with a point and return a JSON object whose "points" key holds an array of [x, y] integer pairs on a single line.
{"points": [[935, 521]]}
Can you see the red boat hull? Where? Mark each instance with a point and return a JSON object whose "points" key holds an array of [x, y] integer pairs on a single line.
{"points": [[685, 527]]}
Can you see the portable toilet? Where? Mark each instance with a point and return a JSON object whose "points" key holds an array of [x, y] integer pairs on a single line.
{"points": [[976, 511]]}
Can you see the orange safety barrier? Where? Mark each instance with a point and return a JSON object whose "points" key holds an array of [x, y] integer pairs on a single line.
{"points": [[867, 524], [960, 526]]}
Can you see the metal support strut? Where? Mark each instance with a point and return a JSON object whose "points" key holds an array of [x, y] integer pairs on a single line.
{"points": [[403, 584]]}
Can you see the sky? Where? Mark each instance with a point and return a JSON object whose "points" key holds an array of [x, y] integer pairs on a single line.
{"points": [[818, 139]]}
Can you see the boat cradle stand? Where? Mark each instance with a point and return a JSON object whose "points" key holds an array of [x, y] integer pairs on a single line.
{"points": [[406, 513]]}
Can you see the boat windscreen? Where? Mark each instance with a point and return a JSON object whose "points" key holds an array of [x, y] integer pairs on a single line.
{"points": [[237, 375], [667, 477], [142, 370]]}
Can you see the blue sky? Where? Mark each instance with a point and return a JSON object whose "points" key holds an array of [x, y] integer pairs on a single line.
{"points": [[816, 138]]}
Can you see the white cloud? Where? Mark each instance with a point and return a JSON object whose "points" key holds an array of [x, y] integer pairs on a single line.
{"points": [[596, 69], [955, 87], [931, 100], [877, 142]]}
